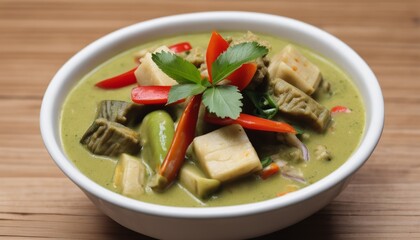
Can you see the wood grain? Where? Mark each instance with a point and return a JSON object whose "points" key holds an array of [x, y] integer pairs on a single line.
{"points": [[37, 36]]}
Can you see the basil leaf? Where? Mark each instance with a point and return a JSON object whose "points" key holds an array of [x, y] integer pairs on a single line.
{"points": [[223, 100], [234, 57], [177, 68], [182, 91], [264, 105]]}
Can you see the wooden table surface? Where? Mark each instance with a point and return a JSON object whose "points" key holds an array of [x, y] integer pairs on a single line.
{"points": [[37, 36]]}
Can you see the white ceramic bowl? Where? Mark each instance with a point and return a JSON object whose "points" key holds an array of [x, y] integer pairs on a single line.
{"points": [[240, 221]]}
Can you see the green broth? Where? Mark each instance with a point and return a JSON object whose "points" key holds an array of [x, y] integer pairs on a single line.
{"points": [[80, 106]]}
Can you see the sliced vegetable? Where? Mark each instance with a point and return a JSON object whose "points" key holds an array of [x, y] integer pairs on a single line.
{"points": [[217, 46], [270, 170], [119, 81], [294, 141], [243, 75], [110, 138], [191, 177], [184, 135], [180, 47], [156, 134], [149, 74], [125, 113], [293, 67], [226, 154], [295, 104], [252, 122], [293, 174], [301, 146], [130, 175], [151, 94], [340, 109]]}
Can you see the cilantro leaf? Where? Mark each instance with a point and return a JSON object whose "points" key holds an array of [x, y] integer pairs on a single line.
{"points": [[223, 100], [177, 68], [181, 91], [234, 57]]}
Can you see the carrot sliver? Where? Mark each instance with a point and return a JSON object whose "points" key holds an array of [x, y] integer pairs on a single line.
{"points": [[269, 171]]}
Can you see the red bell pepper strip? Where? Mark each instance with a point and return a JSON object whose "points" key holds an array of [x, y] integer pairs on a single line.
{"points": [[270, 170], [251, 122], [119, 81], [151, 94], [342, 109], [180, 47], [217, 46], [243, 75], [184, 135]]}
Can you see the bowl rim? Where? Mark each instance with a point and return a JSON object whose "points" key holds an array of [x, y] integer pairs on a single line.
{"points": [[50, 131]]}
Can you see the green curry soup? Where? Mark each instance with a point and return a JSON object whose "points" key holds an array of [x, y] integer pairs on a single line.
{"points": [[340, 138]]}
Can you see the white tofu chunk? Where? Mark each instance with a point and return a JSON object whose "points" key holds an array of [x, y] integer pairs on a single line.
{"points": [[194, 181], [226, 154], [148, 73], [291, 66], [130, 175]]}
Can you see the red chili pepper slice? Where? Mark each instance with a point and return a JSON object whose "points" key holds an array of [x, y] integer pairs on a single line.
{"points": [[252, 122], [217, 46], [184, 135], [119, 81], [151, 94], [180, 47], [269, 171], [341, 109], [243, 75]]}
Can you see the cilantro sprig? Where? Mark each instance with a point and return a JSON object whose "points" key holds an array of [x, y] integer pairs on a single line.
{"points": [[222, 100]]}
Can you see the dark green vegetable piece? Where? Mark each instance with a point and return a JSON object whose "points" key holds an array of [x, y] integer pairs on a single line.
{"points": [[110, 138], [294, 103], [122, 112]]}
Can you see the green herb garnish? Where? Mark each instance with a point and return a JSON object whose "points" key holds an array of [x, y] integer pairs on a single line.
{"points": [[222, 100], [177, 68], [266, 161], [265, 107]]}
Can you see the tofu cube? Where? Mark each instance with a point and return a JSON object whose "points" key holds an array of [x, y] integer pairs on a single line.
{"points": [[148, 73], [291, 66], [226, 154]]}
